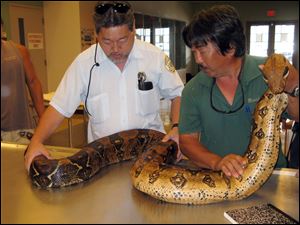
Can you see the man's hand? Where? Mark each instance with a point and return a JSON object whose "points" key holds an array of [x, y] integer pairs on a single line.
{"points": [[33, 150], [174, 135], [232, 165]]}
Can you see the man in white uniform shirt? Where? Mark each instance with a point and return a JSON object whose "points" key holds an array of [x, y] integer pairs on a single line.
{"points": [[120, 79]]}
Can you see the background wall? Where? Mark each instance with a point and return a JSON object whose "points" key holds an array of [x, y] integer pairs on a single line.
{"points": [[62, 37], [178, 10]]}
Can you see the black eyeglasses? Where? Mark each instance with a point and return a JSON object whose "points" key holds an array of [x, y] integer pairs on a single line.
{"points": [[102, 8], [222, 111]]}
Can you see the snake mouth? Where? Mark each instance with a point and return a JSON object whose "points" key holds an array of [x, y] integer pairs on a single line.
{"points": [[286, 73]]}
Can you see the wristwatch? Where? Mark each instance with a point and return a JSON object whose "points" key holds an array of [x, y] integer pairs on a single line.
{"points": [[295, 92]]}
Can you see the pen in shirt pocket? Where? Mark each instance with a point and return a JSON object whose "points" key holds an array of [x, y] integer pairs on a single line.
{"points": [[144, 85]]}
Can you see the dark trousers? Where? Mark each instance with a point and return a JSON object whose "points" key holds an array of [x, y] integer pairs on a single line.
{"points": [[293, 154]]}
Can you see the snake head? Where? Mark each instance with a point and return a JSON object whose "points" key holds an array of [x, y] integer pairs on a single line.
{"points": [[275, 72]]}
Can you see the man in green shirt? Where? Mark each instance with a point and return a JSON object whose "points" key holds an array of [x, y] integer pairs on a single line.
{"points": [[217, 104]]}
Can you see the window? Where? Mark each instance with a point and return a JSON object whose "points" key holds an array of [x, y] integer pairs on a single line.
{"points": [[284, 40], [162, 39], [259, 40], [266, 38], [163, 33], [143, 34]]}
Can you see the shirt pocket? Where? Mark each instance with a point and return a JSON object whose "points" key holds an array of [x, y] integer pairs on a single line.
{"points": [[99, 108], [147, 102]]}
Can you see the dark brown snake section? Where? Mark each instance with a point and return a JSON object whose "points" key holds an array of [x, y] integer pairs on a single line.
{"points": [[154, 172], [126, 145]]}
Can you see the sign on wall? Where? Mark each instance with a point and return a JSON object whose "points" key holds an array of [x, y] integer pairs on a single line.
{"points": [[87, 38], [35, 41]]}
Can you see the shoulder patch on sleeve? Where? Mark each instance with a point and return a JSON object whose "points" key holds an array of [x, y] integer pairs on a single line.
{"points": [[169, 65]]}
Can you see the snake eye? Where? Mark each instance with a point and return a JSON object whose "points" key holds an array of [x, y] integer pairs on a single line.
{"points": [[286, 72]]}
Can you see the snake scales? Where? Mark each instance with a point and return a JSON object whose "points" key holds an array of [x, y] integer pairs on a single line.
{"points": [[154, 171]]}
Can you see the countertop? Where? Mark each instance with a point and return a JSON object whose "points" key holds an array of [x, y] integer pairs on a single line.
{"points": [[109, 197]]}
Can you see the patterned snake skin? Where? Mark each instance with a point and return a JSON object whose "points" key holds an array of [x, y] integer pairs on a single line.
{"points": [[125, 145], [154, 171]]}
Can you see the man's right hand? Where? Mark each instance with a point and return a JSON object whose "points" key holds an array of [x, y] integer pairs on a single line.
{"points": [[34, 149], [232, 165]]}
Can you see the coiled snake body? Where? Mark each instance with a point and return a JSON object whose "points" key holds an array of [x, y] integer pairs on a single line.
{"points": [[155, 173]]}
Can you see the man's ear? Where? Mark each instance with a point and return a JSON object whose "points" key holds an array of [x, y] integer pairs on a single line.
{"points": [[231, 50]]}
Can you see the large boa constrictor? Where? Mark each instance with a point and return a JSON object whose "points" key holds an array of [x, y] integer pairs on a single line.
{"points": [[155, 173]]}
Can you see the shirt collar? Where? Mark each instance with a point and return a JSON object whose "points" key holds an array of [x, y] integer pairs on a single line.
{"points": [[251, 70], [101, 56], [136, 50]]}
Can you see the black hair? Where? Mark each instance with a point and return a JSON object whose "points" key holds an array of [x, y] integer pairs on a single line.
{"points": [[111, 18], [220, 25]]}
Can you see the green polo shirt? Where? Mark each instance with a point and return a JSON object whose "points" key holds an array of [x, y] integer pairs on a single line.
{"points": [[223, 133]]}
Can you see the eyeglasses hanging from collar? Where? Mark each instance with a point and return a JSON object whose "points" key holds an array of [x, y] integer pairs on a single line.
{"points": [[223, 111], [242, 90], [118, 7]]}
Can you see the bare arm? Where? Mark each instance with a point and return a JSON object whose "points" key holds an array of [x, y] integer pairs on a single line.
{"points": [[33, 83], [231, 165], [175, 108], [173, 133], [49, 121]]}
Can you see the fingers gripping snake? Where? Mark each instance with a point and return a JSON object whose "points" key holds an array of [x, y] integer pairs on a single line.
{"points": [[154, 171]]}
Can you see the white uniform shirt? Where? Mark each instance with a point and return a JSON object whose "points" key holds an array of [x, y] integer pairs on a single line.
{"points": [[115, 102]]}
